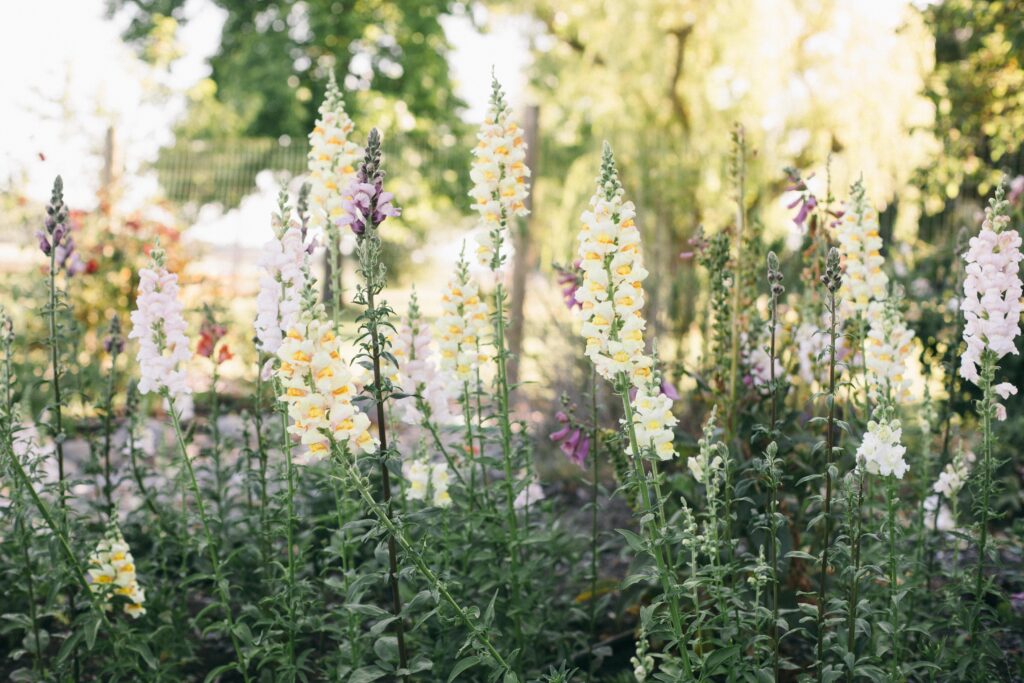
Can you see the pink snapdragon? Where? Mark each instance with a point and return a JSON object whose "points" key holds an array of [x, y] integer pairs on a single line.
{"points": [[992, 297], [159, 326]]}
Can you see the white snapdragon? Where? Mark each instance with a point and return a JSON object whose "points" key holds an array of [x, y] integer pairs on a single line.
{"points": [[953, 477], [417, 372], [332, 158], [461, 327], [319, 387], [159, 326], [427, 480], [499, 174], [282, 279], [880, 451], [611, 295], [706, 466], [653, 421], [112, 573], [888, 351], [860, 246]]}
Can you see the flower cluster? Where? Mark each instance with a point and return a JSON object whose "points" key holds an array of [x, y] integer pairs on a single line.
{"points": [[888, 351], [159, 326], [416, 372], [366, 202], [571, 439], [758, 363], [282, 280], [57, 239], [708, 462], [861, 247], [428, 480], [653, 421], [569, 279], [319, 388], [954, 476], [112, 573], [499, 176], [881, 452], [992, 295], [611, 295], [462, 322], [332, 157]]}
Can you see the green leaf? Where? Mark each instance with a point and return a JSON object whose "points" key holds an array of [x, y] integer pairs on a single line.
{"points": [[367, 674], [462, 665]]}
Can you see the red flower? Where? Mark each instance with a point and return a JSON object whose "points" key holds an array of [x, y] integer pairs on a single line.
{"points": [[224, 354]]}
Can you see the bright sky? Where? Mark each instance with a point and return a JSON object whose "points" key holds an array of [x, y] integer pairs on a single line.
{"points": [[74, 78]]}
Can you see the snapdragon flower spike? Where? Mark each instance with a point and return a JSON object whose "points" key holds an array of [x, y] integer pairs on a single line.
{"points": [[113, 343], [428, 480], [707, 463], [366, 204], [319, 387], [56, 238], [283, 266], [417, 371], [860, 246], [499, 174], [889, 351], [332, 158], [572, 439], [112, 573], [611, 295], [159, 326], [992, 295], [952, 479], [880, 452], [569, 279], [462, 325]]}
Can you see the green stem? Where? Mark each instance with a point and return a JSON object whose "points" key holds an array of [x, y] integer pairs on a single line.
{"points": [[108, 409], [378, 390], [829, 445], [222, 587], [382, 515], [656, 546], [893, 603], [57, 530], [594, 490], [987, 408], [286, 447], [504, 419], [851, 632]]}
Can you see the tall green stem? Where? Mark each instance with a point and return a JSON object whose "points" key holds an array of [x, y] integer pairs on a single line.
{"points": [[653, 534], [595, 442], [385, 476], [988, 371], [222, 587], [829, 445], [851, 625], [894, 606], [286, 447], [108, 409], [384, 517], [504, 419]]}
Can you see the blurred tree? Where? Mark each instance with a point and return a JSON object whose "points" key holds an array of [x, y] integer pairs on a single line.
{"points": [[664, 81], [978, 91], [270, 69]]}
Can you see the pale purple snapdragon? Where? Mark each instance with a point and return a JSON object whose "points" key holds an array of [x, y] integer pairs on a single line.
{"points": [[366, 202]]}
